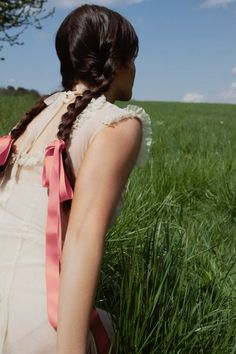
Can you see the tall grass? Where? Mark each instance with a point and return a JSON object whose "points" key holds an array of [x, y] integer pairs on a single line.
{"points": [[169, 268], [169, 274]]}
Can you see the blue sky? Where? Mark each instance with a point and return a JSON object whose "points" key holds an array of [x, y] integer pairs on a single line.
{"points": [[187, 50]]}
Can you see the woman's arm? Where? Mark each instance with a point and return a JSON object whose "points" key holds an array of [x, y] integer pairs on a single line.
{"points": [[102, 176]]}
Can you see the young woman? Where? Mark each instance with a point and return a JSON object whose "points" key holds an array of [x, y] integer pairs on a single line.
{"points": [[64, 168]]}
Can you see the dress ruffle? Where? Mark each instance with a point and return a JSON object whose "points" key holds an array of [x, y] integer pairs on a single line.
{"points": [[131, 111], [94, 105], [112, 115], [30, 160]]}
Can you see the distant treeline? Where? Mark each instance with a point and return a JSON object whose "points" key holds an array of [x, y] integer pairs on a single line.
{"points": [[11, 90]]}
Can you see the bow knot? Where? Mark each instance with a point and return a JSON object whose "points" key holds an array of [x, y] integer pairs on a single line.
{"points": [[53, 170], [62, 96]]}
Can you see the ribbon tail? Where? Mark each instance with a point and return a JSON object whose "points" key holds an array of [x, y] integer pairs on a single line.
{"points": [[53, 234], [101, 338], [55, 178]]}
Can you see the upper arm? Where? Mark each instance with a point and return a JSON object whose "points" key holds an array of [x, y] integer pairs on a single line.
{"points": [[103, 173]]}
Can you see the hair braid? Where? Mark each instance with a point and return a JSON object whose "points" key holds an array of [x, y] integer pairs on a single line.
{"points": [[28, 117], [67, 121]]}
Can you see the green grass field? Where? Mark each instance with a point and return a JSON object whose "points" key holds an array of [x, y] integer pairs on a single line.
{"points": [[169, 273]]}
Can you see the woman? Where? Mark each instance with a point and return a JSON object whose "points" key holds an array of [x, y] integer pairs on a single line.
{"points": [[64, 168]]}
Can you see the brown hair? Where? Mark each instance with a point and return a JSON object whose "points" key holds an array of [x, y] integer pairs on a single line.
{"points": [[90, 43]]}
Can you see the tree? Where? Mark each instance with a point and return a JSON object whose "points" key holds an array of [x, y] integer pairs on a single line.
{"points": [[18, 13]]}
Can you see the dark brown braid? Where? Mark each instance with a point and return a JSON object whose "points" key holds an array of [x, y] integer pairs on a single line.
{"points": [[68, 118], [28, 117], [91, 42]]}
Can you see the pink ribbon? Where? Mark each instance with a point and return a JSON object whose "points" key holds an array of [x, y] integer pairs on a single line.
{"points": [[101, 338], [59, 189], [55, 179], [5, 147]]}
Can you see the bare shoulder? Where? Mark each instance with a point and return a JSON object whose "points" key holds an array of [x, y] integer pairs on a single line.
{"points": [[103, 173], [117, 143], [128, 131]]}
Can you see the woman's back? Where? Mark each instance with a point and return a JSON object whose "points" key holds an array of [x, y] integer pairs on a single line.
{"points": [[24, 211]]}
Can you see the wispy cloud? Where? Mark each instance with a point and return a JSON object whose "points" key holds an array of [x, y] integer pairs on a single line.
{"points": [[193, 97], [229, 95], [233, 85], [74, 3], [216, 3]]}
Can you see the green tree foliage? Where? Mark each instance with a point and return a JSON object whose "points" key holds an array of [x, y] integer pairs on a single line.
{"points": [[17, 14]]}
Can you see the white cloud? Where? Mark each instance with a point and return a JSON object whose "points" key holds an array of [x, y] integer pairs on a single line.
{"points": [[229, 95], [217, 3], [193, 97], [233, 85], [226, 96], [74, 3]]}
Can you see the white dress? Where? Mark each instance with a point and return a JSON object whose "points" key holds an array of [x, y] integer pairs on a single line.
{"points": [[24, 325]]}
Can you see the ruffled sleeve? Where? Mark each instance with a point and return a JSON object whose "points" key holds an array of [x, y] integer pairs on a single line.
{"points": [[131, 111]]}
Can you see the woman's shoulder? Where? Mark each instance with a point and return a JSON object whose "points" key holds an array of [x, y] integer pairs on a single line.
{"points": [[114, 114], [100, 113], [110, 112]]}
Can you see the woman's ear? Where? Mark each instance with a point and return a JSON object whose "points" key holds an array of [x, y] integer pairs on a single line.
{"points": [[118, 69]]}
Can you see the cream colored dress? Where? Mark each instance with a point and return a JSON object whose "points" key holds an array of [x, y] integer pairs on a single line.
{"points": [[24, 325]]}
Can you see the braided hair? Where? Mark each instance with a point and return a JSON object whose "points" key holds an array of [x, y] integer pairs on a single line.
{"points": [[91, 42]]}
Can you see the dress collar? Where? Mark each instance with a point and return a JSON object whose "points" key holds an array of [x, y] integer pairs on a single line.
{"points": [[63, 96], [66, 96]]}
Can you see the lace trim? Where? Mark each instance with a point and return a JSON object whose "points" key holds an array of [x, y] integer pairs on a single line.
{"points": [[94, 105], [31, 159], [25, 159], [131, 111]]}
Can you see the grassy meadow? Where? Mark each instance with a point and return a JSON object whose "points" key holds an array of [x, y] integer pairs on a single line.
{"points": [[169, 273]]}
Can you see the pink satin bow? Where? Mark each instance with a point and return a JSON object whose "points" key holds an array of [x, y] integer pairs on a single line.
{"points": [[54, 177], [5, 147]]}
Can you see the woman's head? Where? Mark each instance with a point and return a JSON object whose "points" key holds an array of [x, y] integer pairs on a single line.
{"points": [[97, 46]]}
